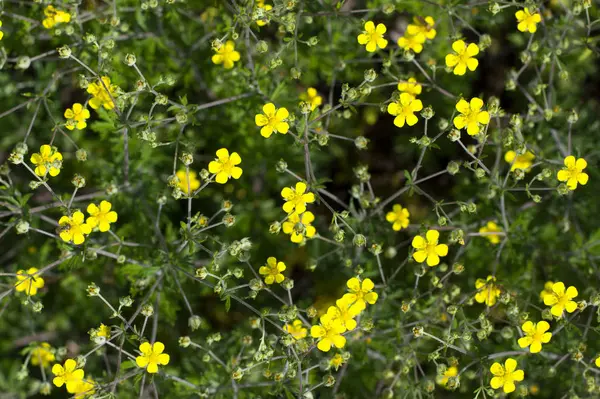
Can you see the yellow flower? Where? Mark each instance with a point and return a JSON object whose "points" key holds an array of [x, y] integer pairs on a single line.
{"points": [[373, 36], [299, 226], [491, 227], [505, 377], [573, 173], [527, 21], [561, 300], [344, 312], [360, 294], [76, 117], [69, 375], [54, 17], [29, 282], [411, 87], [265, 20], [463, 57], [296, 199], [428, 248], [74, 229], [410, 42], [522, 162], [422, 26], [42, 354], [1, 33], [224, 167], [296, 329], [535, 335], [405, 109], [226, 55], [194, 183], [272, 271], [102, 216], [152, 356], [103, 331], [85, 388], [272, 119], [451, 371], [312, 96], [101, 97], [598, 361], [398, 217], [471, 115], [336, 361], [329, 333], [547, 290], [488, 292], [48, 160]]}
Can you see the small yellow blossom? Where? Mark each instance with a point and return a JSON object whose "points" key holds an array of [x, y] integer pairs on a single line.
{"points": [[103, 331], [422, 26], [561, 299], [265, 20], [505, 376], [74, 229], [42, 354], [471, 115], [272, 119], [336, 361], [451, 371], [312, 97], [527, 21], [85, 388], [410, 42], [48, 160], [535, 335], [299, 226], [328, 333], [272, 271], [101, 216], [463, 57], [573, 173], [152, 356], [360, 294], [491, 227], [404, 110], [76, 117], [184, 185], [29, 282], [1, 33], [224, 167], [69, 375], [598, 362], [296, 329], [100, 96], [547, 290], [399, 217], [488, 291], [427, 248], [522, 162], [411, 87], [55, 17], [373, 36], [226, 55], [296, 199], [345, 313]]}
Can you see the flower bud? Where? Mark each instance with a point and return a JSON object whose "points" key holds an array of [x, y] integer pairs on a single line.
{"points": [[130, 59], [64, 52], [194, 322], [22, 227]]}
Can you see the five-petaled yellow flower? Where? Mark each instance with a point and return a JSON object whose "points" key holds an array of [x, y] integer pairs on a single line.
{"points": [[404, 110], [73, 228], [451, 371], [410, 42], [272, 119], [272, 271], [29, 282], [224, 167], [398, 217], [299, 226], [471, 115], [226, 55], [527, 20], [573, 173], [76, 117], [373, 36], [427, 248], [296, 329], [328, 333], [488, 292], [101, 216], [152, 356], [100, 96], [69, 375], [561, 299], [522, 162], [54, 17], [422, 26], [296, 198], [547, 290], [535, 335], [312, 97], [188, 186], [463, 57], [410, 86], [42, 355], [505, 376], [360, 294], [489, 229], [48, 160], [345, 312]]}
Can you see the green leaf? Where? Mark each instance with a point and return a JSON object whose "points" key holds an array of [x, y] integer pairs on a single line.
{"points": [[227, 303]]}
